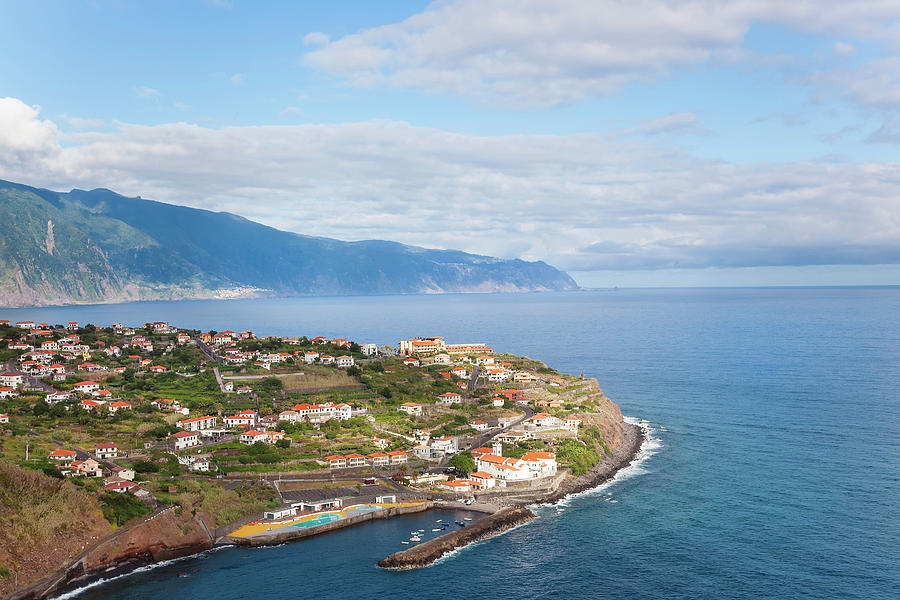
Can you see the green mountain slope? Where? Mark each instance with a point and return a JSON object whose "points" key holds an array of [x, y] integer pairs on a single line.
{"points": [[98, 246]]}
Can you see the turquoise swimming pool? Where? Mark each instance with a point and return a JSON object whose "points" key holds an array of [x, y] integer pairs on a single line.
{"points": [[319, 520]]}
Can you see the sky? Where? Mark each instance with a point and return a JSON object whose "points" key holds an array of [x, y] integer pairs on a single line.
{"points": [[631, 143]]}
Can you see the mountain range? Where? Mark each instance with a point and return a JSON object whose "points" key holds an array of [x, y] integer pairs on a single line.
{"points": [[99, 246]]}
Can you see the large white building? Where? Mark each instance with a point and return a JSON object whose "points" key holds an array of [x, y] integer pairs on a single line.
{"points": [[433, 345], [532, 465], [197, 423], [337, 410]]}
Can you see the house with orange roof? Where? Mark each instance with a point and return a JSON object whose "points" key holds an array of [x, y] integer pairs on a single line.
{"points": [[4, 418], [483, 480], [89, 405], [411, 362], [478, 425], [197, 423], [459, 486], [8, 392], [86, 387], [449, 398], [379, 459], [61, 455], [158, 369], [398, 457], [113, 407]]}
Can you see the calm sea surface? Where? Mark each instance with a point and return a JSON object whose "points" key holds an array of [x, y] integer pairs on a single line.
{"points": [[773, 472]]}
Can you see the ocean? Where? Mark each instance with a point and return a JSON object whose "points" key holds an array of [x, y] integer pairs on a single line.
{"points": [[771, 472]]}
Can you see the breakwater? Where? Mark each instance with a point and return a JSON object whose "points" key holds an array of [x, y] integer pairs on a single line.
{"points": [[427, 552]]}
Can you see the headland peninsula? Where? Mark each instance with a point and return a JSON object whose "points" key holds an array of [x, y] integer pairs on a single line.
{"points": [[125, 445]]}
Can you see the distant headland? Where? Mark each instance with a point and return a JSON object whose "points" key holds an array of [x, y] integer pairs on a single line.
{"points": [[98, 246]]}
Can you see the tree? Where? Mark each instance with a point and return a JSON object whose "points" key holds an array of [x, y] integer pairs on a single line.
{"points": [[463, 461]]}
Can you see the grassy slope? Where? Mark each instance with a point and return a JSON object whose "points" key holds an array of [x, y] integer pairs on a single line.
{"points": [[44, 523]]}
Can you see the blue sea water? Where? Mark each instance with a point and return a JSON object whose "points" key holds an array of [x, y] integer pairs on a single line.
{"points": [[773, 470]]}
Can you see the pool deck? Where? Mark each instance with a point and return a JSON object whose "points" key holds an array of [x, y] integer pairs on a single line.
{"points": [[314, 520]]}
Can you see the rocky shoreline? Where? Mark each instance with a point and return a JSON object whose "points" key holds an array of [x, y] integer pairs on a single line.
{"points": [[512, 516]]}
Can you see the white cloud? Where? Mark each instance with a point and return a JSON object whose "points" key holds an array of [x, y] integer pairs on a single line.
{"points": [[238, 79], [292, 110], [680, 123], [875, 84], [142, 91], [82, 123], [182, 106], [315, 38], [582, 202], [535, 53], [844, 49], [26, 142]]}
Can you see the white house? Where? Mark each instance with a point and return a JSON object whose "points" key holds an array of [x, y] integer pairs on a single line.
{"points": [[310, 357], [411, 408], [344, 362], [12, 378], [86, 387], [544, 421], [197, 423], [411, 362], [573, 423], [442, 359], [369, 349], [185, 439], [245, 418], [267, 437], [326, 359], [446, 444], [478, 425], [105, 451], [8, 392], [449, 398]]}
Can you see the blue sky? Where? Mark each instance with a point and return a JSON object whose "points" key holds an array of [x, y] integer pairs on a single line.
{"points": [[631, 143]]}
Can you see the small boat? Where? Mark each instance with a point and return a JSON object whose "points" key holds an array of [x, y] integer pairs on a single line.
{"points": [[404, 542], [467, 519], [435, 529], [415, 538], [439, 520]]}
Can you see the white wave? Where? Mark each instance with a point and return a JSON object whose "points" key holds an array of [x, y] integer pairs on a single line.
{"points": [[77, 592], [649, 447]]}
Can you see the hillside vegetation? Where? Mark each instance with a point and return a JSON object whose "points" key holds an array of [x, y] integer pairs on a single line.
{"points": [[44, 522]]}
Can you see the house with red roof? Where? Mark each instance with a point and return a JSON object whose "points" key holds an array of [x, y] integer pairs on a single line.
{"points": [[118, 405], [106, 450], [245, 418], [4, 418]]}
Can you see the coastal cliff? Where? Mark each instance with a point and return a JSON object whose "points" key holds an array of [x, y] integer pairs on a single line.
{"points": [[164, 536]]}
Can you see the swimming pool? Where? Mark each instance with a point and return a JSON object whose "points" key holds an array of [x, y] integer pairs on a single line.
{"points": [[319, 520]]}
